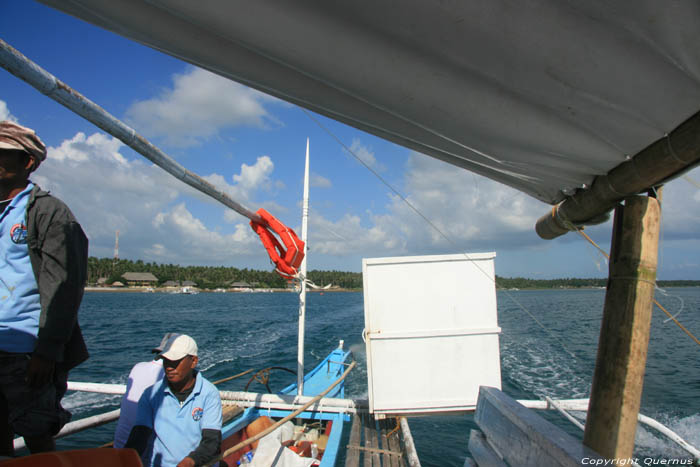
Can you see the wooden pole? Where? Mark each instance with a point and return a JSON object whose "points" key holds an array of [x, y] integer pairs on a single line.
{"points": [[624, 336], [668, 157]]}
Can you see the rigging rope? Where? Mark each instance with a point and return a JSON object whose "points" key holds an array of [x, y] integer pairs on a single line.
{"points": [[671, 317], [436, 228]]}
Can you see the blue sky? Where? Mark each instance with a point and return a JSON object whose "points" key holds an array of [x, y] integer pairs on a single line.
{"points": [[252, 146]]}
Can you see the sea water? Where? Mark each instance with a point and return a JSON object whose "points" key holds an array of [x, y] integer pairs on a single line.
{"points": [[239, 331]]}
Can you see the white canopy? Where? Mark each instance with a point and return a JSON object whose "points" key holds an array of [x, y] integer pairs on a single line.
{"points": [[540, 95]]}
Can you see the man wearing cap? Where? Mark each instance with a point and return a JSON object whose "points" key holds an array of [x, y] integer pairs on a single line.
{"points": [[43, 270], [141, 376], [180, 415]]}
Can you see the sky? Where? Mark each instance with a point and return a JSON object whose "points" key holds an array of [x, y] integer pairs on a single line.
{"points": [[252, 146]]}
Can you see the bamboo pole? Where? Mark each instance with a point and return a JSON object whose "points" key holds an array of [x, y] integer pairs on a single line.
{"points": [[624, 336], [19, 65], [662, 160]]}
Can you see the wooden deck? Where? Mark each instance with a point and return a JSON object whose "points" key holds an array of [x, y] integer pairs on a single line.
{"points": [[375, 443]]}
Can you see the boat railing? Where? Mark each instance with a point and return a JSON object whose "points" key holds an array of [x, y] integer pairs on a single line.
{"points": [[334, 405]]}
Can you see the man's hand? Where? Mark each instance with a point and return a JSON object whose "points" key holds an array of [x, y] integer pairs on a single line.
{"points": [[40, 371], [186, 462]]}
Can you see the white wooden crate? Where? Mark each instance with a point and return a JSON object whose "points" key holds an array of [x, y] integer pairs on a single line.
{"points": [[431, 332]]}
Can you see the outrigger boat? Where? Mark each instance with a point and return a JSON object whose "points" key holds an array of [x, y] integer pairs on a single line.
{"points": [[317, 432], [587, 106]]}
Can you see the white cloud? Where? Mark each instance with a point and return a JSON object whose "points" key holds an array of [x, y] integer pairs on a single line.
{"points": [[108, 192], [197, 106], [476, 214], [319, 181], [257, 175], [366, 155], [5, 112], [183, 236]]}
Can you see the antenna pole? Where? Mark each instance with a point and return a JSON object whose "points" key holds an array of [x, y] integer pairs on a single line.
{"points": [[116, 247]]}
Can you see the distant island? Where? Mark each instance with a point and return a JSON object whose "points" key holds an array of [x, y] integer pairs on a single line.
{"points": [[573, 283], [106, 271]]}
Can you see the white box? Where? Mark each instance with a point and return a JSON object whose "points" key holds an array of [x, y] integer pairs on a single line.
{"points": [[431, 332]]}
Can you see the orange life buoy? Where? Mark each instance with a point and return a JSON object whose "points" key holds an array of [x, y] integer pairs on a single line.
{"points": [[287, 258]]}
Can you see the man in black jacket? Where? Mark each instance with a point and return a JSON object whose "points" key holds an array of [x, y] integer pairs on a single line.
{"points": [[43, 270]]}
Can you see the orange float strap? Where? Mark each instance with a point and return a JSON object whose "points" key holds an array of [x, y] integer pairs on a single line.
{"points": [[287, 258]]}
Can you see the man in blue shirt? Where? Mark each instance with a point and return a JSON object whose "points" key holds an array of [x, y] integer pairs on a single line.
{"points": [[180, 414], [43, 269]]}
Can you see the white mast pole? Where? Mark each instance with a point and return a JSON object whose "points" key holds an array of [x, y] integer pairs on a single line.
{"points": [[302, 294]]}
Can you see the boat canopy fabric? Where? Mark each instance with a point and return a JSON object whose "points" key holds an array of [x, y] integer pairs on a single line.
{"points": [[542, 95]]}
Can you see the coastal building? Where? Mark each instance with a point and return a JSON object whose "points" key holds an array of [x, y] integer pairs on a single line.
{"points": [[140, 279]]}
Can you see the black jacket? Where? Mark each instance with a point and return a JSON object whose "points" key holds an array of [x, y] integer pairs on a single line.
{"points": [[58, 251]]}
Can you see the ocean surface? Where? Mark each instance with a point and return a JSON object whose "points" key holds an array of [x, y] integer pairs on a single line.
{"points": [[238, 331]]}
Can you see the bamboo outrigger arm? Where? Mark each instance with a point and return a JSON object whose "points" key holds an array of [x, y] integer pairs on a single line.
{"points": [[664, 159], [19, 65]]}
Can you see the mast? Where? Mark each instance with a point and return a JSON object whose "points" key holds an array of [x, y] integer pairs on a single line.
{"points": [[302, 294], [624, 336]]}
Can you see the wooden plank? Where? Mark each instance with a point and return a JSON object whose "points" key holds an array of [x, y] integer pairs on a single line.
{"points": [[394, 443], [376, 459], [352, 456], [523, 437], [370, 434], [482, 452], [624, 334], [366, 441], [383, 442]]}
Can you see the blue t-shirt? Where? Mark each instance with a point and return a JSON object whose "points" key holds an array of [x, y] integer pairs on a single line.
{"points": [[177, 429], [19, 294]]}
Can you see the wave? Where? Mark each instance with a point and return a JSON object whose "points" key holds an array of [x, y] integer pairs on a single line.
{"points": [[536, 367], [649, 442]]}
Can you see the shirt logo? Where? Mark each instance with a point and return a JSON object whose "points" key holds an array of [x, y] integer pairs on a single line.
{"points": [[18, 233], [197, 413]]}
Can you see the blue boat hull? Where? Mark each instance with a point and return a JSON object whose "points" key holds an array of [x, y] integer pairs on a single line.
{"points": [[315, 382]]}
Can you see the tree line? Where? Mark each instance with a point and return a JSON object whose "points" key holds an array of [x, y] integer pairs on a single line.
{"points": [[211, 277]]}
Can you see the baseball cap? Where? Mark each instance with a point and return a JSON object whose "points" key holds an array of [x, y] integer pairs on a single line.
{"points": [[179, 346], [164, 342], [15, 136]]}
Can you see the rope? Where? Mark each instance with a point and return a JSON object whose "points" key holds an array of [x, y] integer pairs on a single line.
{"points": [[671, 317], [436, 228], [232, 377], [272, 428]]}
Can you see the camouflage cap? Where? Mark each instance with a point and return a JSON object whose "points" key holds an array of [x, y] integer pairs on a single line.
{"points": [[14, 136]]}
